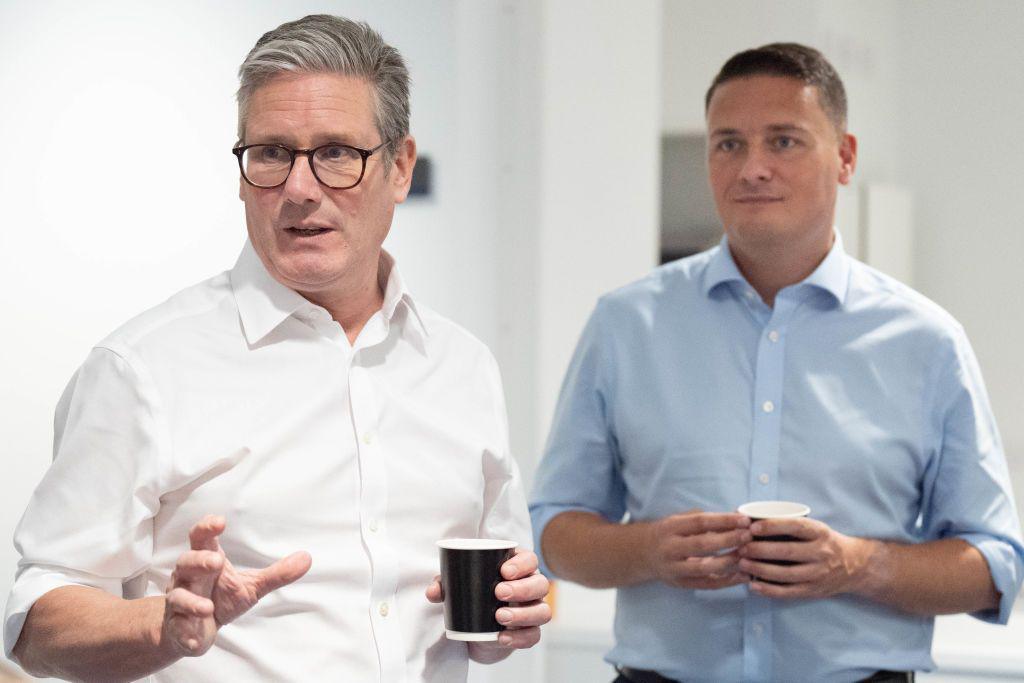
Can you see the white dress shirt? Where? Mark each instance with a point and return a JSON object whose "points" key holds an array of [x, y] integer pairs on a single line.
{"points": [[239, 397]]}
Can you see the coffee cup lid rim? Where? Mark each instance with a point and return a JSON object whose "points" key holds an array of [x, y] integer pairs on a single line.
{"points": [[476, 544], [775, 509]]}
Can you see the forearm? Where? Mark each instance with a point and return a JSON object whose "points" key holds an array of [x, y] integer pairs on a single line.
{"points": [[588, 549], [939, 577], [82, 633]]}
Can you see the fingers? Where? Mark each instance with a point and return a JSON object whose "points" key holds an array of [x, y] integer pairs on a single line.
{"points": [[704, 567], [701, 522], [519, 638], [710, 543], [197, 571], [792, 551], [533, 587], [187, 603], [802, 528], [536, 613], [523, 563], [788, 574], [282, 572], [203, 536], [435, 592]]}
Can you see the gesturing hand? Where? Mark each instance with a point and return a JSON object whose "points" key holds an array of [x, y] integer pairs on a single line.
{"points": [[697, 549], [207, 592], [828, 562]]}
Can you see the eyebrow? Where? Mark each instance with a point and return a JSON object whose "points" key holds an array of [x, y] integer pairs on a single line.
{"points": [[773, 128], [290, 141], [723, 132]]}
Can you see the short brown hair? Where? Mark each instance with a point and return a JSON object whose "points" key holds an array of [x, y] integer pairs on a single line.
{"points": [[790, 60]]}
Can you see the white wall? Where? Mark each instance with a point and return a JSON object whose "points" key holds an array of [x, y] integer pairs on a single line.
{"points": [[579, 197], [961, 91]]}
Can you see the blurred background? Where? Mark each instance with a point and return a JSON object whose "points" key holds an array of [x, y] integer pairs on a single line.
{"points": [[565, 140]]}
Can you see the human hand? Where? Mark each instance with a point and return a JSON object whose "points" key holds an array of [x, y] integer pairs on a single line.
{"points": [[524, 588], [827, 562], [697, 549], [207, 591]]}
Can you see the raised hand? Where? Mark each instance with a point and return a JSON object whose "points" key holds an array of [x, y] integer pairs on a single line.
{"points": [[207, 592]]}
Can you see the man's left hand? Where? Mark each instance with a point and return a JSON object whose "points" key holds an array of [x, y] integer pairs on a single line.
{"points": [[829, 562], [524, 589]]}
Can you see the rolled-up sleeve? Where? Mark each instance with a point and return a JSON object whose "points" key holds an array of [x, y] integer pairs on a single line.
{"points": [[580, 469], [970, 496], [89, 522]]}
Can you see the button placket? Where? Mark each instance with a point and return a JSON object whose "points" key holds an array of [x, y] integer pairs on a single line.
{"points": [[373, 501]]}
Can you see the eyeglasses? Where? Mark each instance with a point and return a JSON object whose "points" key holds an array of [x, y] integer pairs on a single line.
{"points": [[339, 167]]}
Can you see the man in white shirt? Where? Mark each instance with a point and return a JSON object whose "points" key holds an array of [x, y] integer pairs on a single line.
{"points": [[300, 400]]}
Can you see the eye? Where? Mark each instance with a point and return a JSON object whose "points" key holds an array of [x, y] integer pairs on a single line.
{"points": [[786, 142], [271, 153], [336, 153], [728, 145]]}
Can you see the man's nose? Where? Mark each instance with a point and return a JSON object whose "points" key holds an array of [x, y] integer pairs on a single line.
{"points": [[301, 185], [757, 166]]}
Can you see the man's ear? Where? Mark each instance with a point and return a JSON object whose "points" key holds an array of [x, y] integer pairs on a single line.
{"points": [[401, 168], [847, 158]]}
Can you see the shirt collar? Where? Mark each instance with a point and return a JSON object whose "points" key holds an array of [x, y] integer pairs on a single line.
{"points": [[264, 303], [832, 274]]}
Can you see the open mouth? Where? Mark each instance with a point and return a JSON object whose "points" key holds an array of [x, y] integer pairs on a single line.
{"points": [[306, 232]]}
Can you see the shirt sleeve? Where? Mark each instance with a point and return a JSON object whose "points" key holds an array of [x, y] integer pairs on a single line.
{"points": [[970, 496], [89, 522], [505, 514], [580, 469]]}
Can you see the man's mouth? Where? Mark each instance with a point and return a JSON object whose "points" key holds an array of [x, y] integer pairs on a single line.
{"points": [[757, 199], [306, 232]]}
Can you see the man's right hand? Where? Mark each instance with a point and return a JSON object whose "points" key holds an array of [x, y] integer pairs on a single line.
{"points": [[207, 591], [698, 549]]}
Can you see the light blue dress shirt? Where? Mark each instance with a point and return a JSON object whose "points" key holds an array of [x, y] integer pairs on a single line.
{"points": [[854, 395]]}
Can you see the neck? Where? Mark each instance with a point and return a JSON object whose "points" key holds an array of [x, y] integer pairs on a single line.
{"points": [[354, 303], [770, 268]]}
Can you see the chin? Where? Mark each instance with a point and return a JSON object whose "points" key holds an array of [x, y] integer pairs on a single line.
{"points": [[309, 272], [757, 233]]}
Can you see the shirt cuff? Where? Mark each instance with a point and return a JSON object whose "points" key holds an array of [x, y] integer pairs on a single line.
{"points": [[1005, 565], [34, 582]]}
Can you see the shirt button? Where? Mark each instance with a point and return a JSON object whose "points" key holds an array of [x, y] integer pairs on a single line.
{"points": [[758, 630], [764, 479], [750, 294], [368, 438], [773, 336], [373, 525], [383, 609], [767, 406]]}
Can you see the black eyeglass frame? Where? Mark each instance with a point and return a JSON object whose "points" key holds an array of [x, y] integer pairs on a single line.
{"points": [[292, 153]]}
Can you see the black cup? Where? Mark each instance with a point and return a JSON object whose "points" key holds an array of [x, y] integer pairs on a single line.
{"points": [[774, 509], [470, 571]]}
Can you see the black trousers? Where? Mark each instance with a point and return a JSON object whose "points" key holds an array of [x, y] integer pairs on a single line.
{"points": [[877, 677]]}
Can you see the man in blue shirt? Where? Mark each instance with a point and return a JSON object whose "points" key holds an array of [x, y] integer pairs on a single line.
{"points": [[774, 366]]}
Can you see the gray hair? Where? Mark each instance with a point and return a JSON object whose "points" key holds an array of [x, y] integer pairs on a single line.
{"points": [[321, 43]]}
